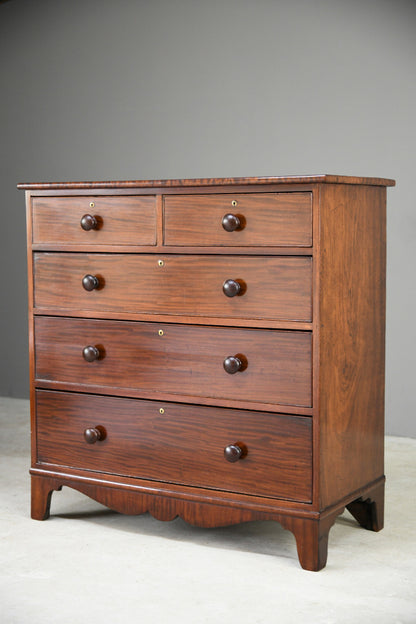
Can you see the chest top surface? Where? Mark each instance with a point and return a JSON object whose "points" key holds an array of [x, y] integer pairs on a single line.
{"points": [[207, 182]]}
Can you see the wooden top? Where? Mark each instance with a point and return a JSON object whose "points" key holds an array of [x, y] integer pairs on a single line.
{"points": [[306, 179]]}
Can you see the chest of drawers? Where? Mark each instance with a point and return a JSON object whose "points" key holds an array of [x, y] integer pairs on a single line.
{"points": [[211, 349]]}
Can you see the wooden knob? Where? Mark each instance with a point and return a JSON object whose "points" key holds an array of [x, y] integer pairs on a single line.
{"points": [[234, 452], [232, 364], [230, 222], [90, 353], [90, 282], [88, 222], [231, 288], [94, 434]]}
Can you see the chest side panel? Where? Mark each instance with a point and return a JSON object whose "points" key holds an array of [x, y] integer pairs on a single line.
{"points": [[352, 336]]}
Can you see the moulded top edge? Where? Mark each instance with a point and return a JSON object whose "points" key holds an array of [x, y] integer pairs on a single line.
{"points": [[201, 182]]}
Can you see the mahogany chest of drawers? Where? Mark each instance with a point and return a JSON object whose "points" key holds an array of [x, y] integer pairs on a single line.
{"points": [[212, 349]]}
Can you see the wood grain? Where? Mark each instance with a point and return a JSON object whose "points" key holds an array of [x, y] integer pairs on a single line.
{"points": [[352, 335], [368, 510], [185, 360], [31, 339], [121, 220], [269, 219], [274, 287], [185, 444], [204, 182], [311, 533], [307, 406]]}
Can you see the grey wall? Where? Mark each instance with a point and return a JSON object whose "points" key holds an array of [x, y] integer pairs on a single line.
{"points": [[93, 89]]}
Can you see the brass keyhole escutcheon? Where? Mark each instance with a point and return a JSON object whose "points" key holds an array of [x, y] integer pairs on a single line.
{"points": [[160, 332], [161, 411], [160, 263], [234, 203], [92, 205]]}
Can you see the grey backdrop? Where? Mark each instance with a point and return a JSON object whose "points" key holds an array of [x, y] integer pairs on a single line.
{"points": [[99, 89]]}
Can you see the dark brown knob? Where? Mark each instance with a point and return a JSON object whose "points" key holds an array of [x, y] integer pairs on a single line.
{"points": [[230, 222], [88, 222], [94, 434], [231, 288], [90, 354], [233, 452], [232, 364], [90, 282]]}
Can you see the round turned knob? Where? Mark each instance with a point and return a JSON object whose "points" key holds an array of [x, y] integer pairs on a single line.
{"points": [[90, 353], [88, 222], [233, 452], [231, 288], [90, 282], [230, 222], [232, 364], [94, 434]]}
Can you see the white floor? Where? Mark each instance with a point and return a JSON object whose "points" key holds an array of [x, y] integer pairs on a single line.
{"points": [[87, 564]]}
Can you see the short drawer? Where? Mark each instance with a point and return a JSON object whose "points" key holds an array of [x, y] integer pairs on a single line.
{"points": [[271, 287], [184, 360], [264, 219], [107, 220], [177, 443]]}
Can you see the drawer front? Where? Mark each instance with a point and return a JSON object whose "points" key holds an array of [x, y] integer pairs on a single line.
{"points": [[184, 444], [273, 287], [181, 359], [119, 220], [266, 219]]}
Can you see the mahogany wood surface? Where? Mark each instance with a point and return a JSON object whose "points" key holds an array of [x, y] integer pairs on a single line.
{"points": [[272, 287], [203, 182], [120, 220], [270, 219], [143, 416], [184, 444], [368, 509], [310, 529], [312, 539], [352, 336], [30, 325], [311, 534], [167, 318], [41, 495], [190, 494], [184, 360]]}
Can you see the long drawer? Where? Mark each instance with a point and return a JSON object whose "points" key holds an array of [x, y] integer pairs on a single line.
{"points": [[186, 360], [90, 221], [277, 288], [177, 443]]}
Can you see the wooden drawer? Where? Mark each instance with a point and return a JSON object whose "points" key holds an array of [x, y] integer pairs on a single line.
{"points": [[266, 219], [120, 220], [184, 360], [272, 287], [184, 444]]}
